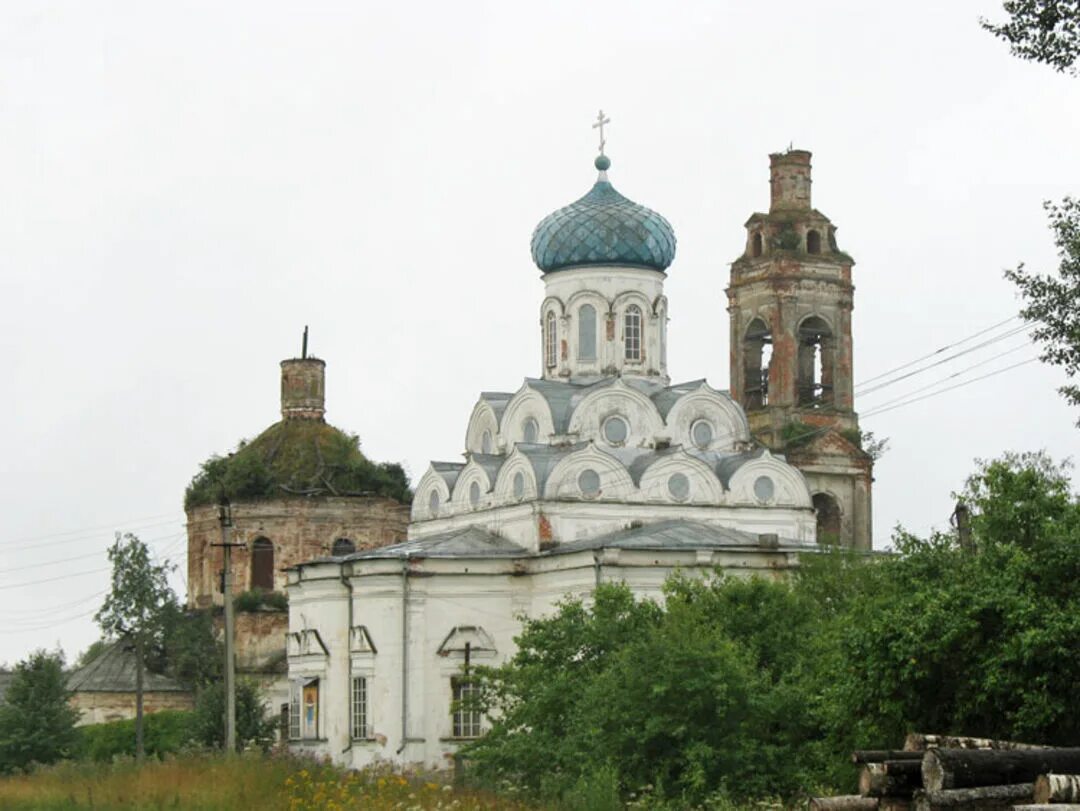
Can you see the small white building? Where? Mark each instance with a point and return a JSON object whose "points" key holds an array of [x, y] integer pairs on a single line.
{"points": [[600, 470]]}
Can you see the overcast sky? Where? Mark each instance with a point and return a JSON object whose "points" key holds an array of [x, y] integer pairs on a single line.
{"points": [[184, 186]]}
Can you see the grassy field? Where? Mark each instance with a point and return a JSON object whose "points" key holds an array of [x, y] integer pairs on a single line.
{"points": [[209, 783]]}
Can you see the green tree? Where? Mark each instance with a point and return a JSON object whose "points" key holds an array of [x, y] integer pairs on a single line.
{"points": [[188, 652], [93, 651], [37, 722], [1020, 499], [1050, 300], [703, 695], [979, 644], [1046, 31], [136, 608], [253, 724]]}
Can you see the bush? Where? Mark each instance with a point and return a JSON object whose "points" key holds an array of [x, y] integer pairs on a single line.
{"points": [[253, 725], [260, 600], [166, 732], [37, 724]]}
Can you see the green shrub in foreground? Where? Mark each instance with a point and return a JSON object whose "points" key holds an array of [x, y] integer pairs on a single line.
{"points": [[165, 732]]}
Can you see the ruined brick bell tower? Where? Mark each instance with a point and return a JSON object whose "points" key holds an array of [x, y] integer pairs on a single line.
{"points": [[790, 302]]}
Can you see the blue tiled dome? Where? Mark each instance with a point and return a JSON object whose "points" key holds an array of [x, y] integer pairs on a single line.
{"points": [[603, 228]]}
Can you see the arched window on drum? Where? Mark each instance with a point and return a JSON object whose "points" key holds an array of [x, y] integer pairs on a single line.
{"points": [[632, 333], [551, 339], [587, 332]]}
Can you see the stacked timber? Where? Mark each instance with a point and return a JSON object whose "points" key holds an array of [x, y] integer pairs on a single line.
{"points": [[951, 773]]}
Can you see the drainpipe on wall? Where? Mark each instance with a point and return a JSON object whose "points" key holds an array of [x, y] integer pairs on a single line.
{"points": [[596, 565], [348, 651], [404, 654]]}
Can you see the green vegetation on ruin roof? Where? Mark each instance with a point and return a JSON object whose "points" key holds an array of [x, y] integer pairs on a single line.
{"points": [[296, 457]]}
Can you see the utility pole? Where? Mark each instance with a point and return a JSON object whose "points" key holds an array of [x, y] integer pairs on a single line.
{"points": [[225, 518]]}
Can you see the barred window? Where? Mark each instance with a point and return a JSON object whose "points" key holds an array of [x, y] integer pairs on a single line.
{"points": [[632, 332], [294, 711], [466, 718], [550, 340], [359, 708]]}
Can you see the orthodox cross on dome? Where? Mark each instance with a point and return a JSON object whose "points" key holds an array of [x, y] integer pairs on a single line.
{"points": [[600, 122]]}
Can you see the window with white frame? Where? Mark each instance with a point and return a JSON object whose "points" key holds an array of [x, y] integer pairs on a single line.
{"points": [[358, 708], [550, 340], [466, 717], [294, 710], [304, 709], [632, 332]]}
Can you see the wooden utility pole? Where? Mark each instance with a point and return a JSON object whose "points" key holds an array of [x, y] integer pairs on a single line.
{"points": [[225, 517]]}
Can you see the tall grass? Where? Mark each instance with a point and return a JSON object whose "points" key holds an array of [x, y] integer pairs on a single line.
{"points": [[214, 783], [199, 783]]}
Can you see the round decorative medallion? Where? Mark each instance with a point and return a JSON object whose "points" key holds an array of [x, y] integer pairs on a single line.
{"points": [[679, 487], [616, 430], [589, 483]]}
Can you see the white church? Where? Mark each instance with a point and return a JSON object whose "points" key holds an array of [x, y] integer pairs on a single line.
{"points": [[599, 470]]}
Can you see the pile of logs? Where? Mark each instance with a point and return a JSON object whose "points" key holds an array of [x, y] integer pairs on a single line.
{"points": [[945, 773]]}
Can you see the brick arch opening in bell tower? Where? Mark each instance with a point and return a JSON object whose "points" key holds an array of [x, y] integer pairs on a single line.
{"points": [[757, 356], [816, 362]]}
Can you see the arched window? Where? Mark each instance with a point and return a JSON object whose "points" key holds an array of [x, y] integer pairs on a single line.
{"points": [[663, 338], [757, 356], [756, 244], [814, 383], [828, 518], [343, 546], [530, 430], [550, 339], [813, 242], [587, 332], [262, 565], [632, 332]]}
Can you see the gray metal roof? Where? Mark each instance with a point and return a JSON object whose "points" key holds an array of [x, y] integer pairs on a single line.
{"points": [[490, 463], [560, 399], [497, 400], [725, 465], [563, 397], [543, 459], [469, 542], [449, 472], [667, 397], [113, 671], [669, 536], [637, 460]]}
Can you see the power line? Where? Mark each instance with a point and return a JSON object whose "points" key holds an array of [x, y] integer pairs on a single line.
{"points": [[954, 375], [952, 357], [93, 530], [94, 554], [949, 388], [937, 351], [56, 609], [46, 626], [8, 547]]}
